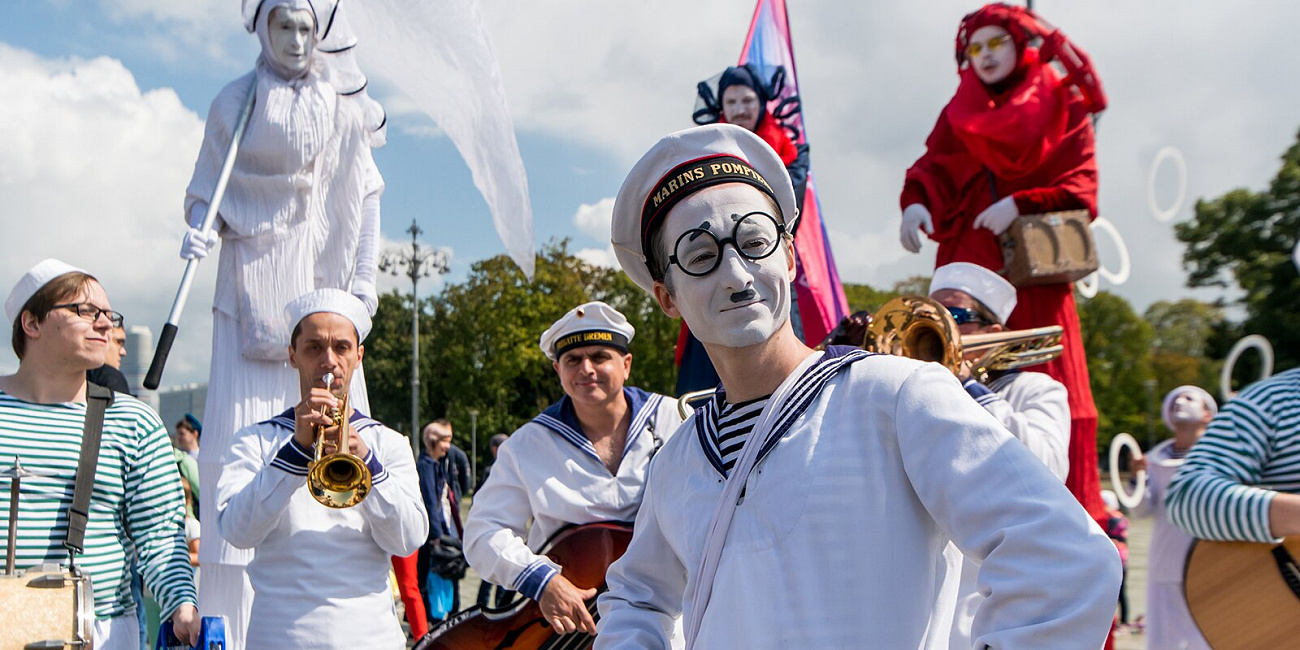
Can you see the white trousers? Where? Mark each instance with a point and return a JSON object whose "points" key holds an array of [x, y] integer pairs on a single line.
{"points": [[119, 633]]}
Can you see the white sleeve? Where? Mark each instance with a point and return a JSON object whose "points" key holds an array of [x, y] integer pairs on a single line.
{"points": [[646, 586], [1050, 574], [254, 490], [394, 508], [1043, 421], [367, 265], [494, 534]]}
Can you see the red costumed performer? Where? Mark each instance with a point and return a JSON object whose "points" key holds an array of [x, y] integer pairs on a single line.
{"points": [[1016, 138]]}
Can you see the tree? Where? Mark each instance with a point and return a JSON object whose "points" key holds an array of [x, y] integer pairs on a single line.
{"points": [[479, 343], [1247, 237], [862, 297], [1183, 332], [1118, 345]]}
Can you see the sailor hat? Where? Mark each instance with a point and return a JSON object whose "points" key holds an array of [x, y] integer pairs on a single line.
{"points": [[333, 301], [681, 164], [991, 289], [32, 281], [593, 323]]}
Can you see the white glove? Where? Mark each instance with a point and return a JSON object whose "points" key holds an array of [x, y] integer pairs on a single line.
{"points": [[197, 243], [915, 219], [998, 217], [367, 294]]}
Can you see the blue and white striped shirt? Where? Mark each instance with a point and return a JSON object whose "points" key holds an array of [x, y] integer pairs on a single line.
{"points": [[1250, 452]]}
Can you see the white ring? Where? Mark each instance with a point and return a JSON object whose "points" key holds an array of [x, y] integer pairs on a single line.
{"points": [[1129, 501], [1181, 165], [1125, 265], [1256, 341], [1088, 285], [1295, 255]]}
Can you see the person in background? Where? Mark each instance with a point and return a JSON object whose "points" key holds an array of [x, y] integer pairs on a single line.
{"points": [[441, 594], [110, 374], [485, 588]]}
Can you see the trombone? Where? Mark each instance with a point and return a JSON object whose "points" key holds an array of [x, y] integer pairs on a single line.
{"points": [[341, 479], [920, 328]]}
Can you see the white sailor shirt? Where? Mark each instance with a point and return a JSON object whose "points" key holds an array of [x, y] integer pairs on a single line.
{"points": [[319, 574], [838, 539], [548, 472]]}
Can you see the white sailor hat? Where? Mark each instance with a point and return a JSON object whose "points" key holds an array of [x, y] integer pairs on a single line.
{"points": [[334, 301], [681, 164], [593, 323], [991, 289], [32, 281], [1166, 409]]}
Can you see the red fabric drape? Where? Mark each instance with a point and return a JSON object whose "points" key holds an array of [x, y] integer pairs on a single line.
{"points": [[1034, 136]]}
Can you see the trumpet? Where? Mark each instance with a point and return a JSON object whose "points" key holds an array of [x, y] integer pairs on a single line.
{"points": [[341, 479], [920, 328]]}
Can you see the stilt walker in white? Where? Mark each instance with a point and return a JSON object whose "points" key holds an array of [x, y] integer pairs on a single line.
{"points": [[301, 211]]}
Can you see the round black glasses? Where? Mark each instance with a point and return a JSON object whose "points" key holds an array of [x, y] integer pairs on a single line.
{"points": [[755, 236]]}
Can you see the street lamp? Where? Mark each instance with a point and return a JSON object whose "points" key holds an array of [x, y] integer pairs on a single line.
{"points": [[419, 262], [473, 433]]}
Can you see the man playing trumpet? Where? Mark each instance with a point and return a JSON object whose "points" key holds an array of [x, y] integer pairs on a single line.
{"points": [[320, 571]]}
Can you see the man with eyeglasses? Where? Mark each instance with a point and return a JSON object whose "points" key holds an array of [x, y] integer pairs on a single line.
{"points": [[809, 502], [62, 324], [1034, 407]]}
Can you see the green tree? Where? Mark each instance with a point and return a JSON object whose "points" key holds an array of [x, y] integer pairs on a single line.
{"points": [[864, 297], [1183, 332], [1118, 346], [478, 343], [1246, 238]]}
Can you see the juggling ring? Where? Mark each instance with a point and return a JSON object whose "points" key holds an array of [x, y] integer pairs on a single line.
{"points": [[1295, 255], [1127, 500], [1256, 341], [1088, 285], [1177, 156]]}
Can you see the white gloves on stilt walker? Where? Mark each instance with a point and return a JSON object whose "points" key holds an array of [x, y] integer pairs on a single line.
{"points": [[915, 219], [197, 243], [998, 217]]}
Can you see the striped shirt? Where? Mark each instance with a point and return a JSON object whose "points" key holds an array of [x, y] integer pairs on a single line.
{"points": [[1250, 451], [136, 506], [735, 424]]}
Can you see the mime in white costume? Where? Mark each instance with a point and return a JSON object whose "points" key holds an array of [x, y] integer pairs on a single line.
{"points": [[1187, 411], [1031, 405], [828, 528], [301, 212]]}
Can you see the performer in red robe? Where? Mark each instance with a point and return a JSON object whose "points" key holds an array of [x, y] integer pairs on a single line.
{"points": [[1016, 139]]}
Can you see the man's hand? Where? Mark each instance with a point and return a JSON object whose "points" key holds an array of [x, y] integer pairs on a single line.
{"points": [[307, 415], [1138, 463], [964, 371], [564, 608], [915, 219], [186, 624]]}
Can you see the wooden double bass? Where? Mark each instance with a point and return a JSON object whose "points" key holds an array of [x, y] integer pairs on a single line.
{"points": [[584, 552]]}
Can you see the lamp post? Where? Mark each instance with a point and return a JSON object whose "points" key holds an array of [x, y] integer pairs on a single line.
{"points": [[473, 450], [419, 262]]}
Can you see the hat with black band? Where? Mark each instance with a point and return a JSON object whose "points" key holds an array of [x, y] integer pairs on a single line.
{"points": [[681, 164], [593, 323]]}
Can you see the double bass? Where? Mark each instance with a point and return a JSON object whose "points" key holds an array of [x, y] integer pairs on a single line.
{"points": [[584, 552]]}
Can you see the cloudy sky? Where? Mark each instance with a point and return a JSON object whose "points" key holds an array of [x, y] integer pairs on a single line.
{"points": [[105, 102]]}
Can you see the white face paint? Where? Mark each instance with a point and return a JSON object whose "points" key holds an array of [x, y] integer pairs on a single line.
{"points": [[293, 38], [742, 302], [1187, 407], [992, 53]]}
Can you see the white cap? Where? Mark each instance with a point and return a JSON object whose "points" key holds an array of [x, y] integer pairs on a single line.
{"points": [[681, 164], [991, 289], [593, 323], [333, 301], [32, 281], [1166, 409]]}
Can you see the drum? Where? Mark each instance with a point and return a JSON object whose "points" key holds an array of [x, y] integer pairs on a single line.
{"points": [[46, 607]]}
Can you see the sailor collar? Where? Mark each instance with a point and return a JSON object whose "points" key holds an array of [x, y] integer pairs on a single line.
{"points": [[561, 419], [802, 395]]}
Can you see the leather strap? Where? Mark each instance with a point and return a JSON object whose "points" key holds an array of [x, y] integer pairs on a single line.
{"points": [[98, 400]]}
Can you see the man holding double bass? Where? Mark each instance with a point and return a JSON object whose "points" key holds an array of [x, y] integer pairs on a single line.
{"points": [[582, 460]]}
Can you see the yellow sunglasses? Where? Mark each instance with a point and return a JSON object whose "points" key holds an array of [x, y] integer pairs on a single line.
{"points": [[994, 44]]}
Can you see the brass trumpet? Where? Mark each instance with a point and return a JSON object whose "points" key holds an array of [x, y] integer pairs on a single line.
{"points": [[339, 480], [920, 328]]}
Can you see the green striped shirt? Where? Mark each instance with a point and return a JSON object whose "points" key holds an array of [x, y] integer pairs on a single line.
{"points": [[1250, 451], [136, 507]]}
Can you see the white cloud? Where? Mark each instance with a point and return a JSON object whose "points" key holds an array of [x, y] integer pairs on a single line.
{"points": [[595, 220], [94, 171]]}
